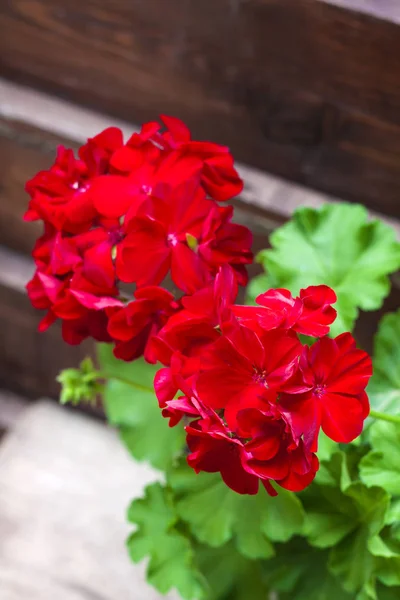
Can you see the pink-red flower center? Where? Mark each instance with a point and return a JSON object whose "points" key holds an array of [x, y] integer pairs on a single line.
{"points": [[319, 390], [172, 239], [261, 378], [115, 236]]}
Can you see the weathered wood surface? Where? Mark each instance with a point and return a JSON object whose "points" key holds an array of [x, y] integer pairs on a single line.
{"points": [[65, 484], [307, 89], [33, 124]]}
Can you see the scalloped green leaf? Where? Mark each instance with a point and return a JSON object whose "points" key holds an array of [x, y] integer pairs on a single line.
{"points": [[131, 405], [299, 572], [230, 575], [334, 245], [171, 557], [345, 516], [215, 514], [384, 387], [381, 466]]}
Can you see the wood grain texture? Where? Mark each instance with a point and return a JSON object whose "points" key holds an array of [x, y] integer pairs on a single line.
{"points": [[303, 88], [65, 484], [33, 124]]}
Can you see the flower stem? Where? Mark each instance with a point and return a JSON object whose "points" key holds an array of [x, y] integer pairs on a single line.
{"points": [[129, 382], [390, 418]]}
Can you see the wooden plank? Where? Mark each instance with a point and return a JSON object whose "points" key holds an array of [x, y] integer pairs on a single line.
{"points": [[32, 124], [304, 88], [72, 512]]}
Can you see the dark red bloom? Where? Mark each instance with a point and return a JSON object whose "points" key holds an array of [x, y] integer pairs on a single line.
{"points": [[146, 212], [135, 324], [213, 163], [311, 313], [272, 453], [329, 391], [134, 213], [185, 233], [60, 195], [214, 450], [242, 370]]}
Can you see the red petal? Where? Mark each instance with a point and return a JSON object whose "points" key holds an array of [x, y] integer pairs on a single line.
{"points": [[113, 195], [342, 417], [143, 257], [187, 271]]}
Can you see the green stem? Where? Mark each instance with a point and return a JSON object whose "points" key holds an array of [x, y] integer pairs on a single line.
{"points": [[132, 384], [390, 418]]}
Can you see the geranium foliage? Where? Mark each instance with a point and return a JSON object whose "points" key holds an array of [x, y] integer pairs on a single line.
{"points": [[338, 246]]}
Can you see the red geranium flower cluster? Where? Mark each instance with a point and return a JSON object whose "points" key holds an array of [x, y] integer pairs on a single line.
{"points": [[255, 395], [132, 213]]}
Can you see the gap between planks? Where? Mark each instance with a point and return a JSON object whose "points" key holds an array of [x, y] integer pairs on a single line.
{"points": [[264, 191]]}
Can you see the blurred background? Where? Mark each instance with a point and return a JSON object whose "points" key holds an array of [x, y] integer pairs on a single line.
{"points": [[306, 93]]}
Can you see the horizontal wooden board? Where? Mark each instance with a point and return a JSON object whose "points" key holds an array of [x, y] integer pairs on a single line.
{"points": [[306, 89], [32, 125]]}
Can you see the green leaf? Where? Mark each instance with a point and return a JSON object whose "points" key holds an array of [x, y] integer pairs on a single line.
{"points": [[382, 465], [334, 472], [393, 514], [345, 515], [230, 575], [384, 388], [385, 593], [351, 560], [386, 547], [131, 405], [299, 572], [326, 447], [171, 557], [338, 246], [215, 514]]}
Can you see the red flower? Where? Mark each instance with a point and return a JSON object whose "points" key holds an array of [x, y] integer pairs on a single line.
{"points": [[133, 213], [242, 370], [272, 453], [168, 233], [210, 306], [219, 177], [329, 391], [134, 325], [144, 211], [213, 450], [213, 163], [310, 314], [58, 196]]}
